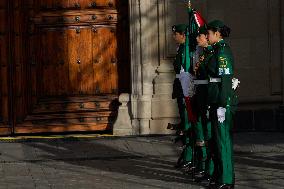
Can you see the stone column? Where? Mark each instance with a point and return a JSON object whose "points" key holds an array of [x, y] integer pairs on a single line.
{"points": [[150, 60], [164, 108], [135, 60], [144, 60]]}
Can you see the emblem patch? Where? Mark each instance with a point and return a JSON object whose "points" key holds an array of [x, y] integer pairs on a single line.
{"points": [[224, 71], [223, 62]]}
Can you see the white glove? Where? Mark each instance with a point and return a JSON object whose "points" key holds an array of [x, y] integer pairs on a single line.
{"points": [[235, 83], [207, 112], [221, 114]]}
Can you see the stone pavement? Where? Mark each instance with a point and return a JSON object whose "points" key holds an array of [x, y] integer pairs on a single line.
{"points": [[130, 162]]}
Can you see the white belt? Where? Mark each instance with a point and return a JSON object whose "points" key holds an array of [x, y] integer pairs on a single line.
{"points": [[200, 82], [214, 80], [177, 76]]}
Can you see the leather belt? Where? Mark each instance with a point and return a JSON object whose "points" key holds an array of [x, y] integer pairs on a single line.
{"points": [[200, 82], [214, 80]]}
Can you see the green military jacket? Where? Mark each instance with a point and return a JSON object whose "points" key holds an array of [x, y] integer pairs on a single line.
{"points": [[206, 55], [178, 62], [179, 58], [201, 74], [221, 65]]}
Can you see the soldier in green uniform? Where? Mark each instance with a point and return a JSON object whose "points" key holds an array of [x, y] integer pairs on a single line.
{"points": [[179, 36], [221, 100], [203, 125]]}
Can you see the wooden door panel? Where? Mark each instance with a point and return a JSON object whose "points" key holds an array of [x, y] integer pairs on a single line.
{"points": [[64, 127], [64, 59], [45, 4], [74, 4], [77, 4], [19, 103], [49, 62], [4, 116], [104, 58], [104, 3], [4, 69], [72, 107], [54, 61], [60, 3], [113, 59], [3, 4], [69, 115], [3, 49], [92, 4], [80, 60], [34, 59], [3, 21], [89, 113], [74, 104]]}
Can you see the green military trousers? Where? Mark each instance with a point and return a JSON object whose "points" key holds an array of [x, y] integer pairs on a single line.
{"points": [[186, 126], [203, 135], [222, 148]]}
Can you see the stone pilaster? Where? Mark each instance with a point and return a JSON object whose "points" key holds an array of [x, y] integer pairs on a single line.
{"points": [[164, 108], [144, 60], [122, 125]]}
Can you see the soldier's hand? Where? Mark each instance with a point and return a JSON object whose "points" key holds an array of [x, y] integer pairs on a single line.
{"points": [[189, 4], [196, 67]]}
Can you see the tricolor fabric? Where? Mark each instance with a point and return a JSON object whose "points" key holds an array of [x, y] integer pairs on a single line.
{"points": [[195, 22]]}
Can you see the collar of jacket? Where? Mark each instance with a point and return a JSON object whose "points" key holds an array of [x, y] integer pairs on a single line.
{"points": [[209, 49], [220, 43]]}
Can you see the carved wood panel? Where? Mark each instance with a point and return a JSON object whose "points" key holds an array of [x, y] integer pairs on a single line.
{"points": [[63, 60], [77, 4], [106, 59]]}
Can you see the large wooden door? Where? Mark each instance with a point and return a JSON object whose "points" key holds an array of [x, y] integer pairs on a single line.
{"points": [[65, 59], [4, 68]]}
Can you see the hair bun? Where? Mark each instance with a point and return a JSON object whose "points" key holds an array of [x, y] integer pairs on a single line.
{"points": [[225, 31]]}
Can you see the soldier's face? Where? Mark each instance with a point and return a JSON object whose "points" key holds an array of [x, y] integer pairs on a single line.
{"points": [[202, 40], [213, 37], [179, 38]]}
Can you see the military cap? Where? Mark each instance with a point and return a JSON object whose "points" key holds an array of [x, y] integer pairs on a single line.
{"points": [[179, 28], [203, 30], [216, 24]]}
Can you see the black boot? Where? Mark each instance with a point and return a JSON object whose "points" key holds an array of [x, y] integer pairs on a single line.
{"points": [[183, 164], [212, 184], [225, 186], [179, 163], [202, 177]]}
